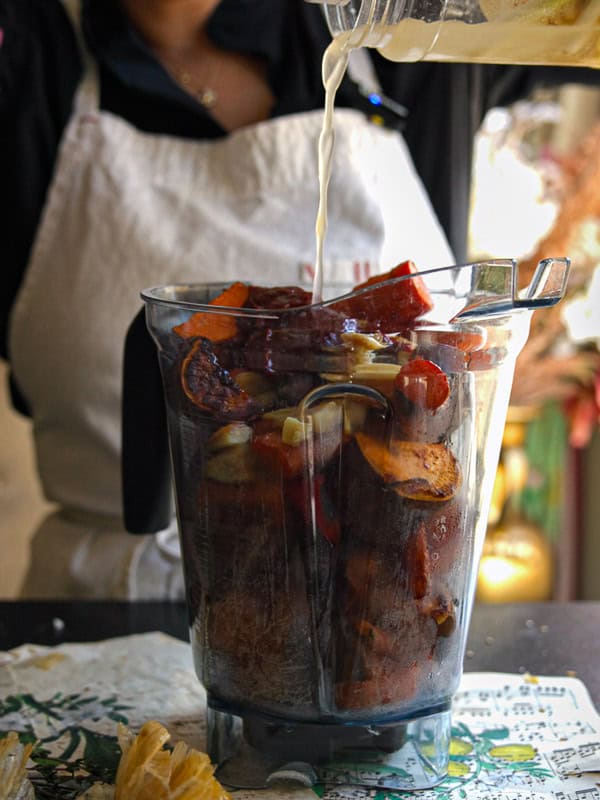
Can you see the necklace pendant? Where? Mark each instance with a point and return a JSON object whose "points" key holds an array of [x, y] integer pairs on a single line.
{"points": [[207, 97]]}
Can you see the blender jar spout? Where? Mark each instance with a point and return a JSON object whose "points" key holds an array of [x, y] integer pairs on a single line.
{"points": [[547, 286]]}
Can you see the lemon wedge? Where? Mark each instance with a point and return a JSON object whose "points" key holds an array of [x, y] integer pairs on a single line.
{"points": [[147, 771]]}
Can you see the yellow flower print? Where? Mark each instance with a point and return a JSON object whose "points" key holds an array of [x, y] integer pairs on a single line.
{"points": [[458, 769], [513, 752], [459, 747]]}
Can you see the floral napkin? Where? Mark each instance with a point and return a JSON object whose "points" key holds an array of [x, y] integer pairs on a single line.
{"points": [[515, 737]]}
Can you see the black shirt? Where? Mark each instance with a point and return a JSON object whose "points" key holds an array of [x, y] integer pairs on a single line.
{"points": [[40, 68]]}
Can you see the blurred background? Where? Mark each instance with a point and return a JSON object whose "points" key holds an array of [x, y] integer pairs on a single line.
{"points": [[538, 161]]}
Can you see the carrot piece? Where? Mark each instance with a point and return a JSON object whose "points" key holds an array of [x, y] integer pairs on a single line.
{"points": [[216, 327], [419, 564]]}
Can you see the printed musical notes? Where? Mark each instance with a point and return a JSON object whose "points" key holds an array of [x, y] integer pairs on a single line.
{"points": [[513, 738]]}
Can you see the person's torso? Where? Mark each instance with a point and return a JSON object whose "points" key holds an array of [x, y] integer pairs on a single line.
{"points": [[128, 210]]}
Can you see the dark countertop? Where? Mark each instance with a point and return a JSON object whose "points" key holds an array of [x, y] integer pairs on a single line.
{"points": [[540, 638]]}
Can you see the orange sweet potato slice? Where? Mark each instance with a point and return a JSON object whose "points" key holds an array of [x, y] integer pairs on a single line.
{"points": [[216, 327], [415, 470], [389, 308], [399, 271]]}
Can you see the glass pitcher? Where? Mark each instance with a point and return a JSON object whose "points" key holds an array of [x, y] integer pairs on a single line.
{"points": [[561, 32], [333, 467]]}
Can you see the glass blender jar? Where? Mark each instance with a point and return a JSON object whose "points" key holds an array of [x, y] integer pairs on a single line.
{"points": [[333, 467]]}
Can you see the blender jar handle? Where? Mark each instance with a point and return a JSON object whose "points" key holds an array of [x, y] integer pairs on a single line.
{"points": [[145, 459]]}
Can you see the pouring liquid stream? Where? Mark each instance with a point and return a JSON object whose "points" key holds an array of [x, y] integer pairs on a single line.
{"points": [[333, 69], [335, 61]]}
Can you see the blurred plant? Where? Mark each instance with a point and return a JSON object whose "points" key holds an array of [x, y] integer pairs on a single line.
{"points": [[561, 359]]}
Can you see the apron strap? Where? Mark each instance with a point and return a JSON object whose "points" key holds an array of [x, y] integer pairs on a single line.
{"points": [[87, 98]]}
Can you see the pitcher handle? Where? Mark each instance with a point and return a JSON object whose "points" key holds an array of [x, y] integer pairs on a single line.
{"points": [[145, 460]]}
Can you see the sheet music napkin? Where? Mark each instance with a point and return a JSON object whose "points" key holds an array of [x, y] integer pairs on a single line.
{"points": [[515, 737]]}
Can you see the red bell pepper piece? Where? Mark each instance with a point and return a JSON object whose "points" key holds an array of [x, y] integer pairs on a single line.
{"points": [[423, 383]]}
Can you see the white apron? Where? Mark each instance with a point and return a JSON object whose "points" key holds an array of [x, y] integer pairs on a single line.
{"points": [[128, 210]]}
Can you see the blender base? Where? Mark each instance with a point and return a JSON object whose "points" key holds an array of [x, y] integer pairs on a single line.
{"points": [[255, 752]]}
